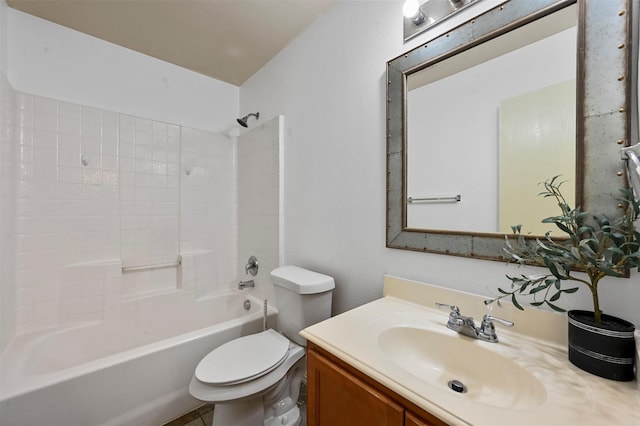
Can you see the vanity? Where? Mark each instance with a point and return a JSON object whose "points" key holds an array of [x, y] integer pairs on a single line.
{"points": [[337, 392], [393, 361]]}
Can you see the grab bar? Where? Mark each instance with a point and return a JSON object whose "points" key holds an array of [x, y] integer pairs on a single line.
{"points": [[153, 266], [454, 199]]}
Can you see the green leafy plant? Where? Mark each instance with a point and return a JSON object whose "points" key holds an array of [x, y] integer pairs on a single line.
{"points": [[597, 246]]}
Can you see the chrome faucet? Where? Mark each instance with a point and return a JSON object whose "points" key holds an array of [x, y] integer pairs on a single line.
{"points": [[245, 284], [252, 266], [466, 326]]}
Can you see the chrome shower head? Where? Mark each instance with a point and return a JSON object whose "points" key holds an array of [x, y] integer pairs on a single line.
{"points": [[243, 121]]}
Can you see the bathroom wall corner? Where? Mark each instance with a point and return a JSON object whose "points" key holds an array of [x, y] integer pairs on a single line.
{"points": [[7, 196], [281, 204], [259, 158]]}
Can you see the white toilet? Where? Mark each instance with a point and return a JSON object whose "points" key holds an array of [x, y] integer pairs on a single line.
{"points": [[255, 380]]}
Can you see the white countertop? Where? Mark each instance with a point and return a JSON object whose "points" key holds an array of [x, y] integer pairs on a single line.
{"points": [[570, 397]]}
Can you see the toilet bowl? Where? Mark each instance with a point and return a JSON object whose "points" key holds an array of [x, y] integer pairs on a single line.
{"points": [[255, 380], [269, 357]]}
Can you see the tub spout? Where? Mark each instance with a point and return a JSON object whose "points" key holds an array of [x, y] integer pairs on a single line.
{"points": [[245, 284]]}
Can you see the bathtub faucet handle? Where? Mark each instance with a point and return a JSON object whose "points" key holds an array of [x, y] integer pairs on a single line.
{"points": [[252, 266], [244, 284]]}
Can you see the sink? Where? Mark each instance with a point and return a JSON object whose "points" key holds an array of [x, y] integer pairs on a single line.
{"points": [[403, 343], [462, 365]]}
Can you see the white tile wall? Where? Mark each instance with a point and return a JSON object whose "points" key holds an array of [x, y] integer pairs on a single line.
{"points": [[7, 213], [208, 224], [96, 190], [149, 155]]}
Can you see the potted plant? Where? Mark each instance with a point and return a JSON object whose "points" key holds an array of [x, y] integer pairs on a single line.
{"points": [[596, 246]]}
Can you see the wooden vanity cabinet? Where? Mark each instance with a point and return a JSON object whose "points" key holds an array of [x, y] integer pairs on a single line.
{"points": [[340, 395]]}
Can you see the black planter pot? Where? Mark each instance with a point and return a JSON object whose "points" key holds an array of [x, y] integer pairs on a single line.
{"points": [[605, 349]]}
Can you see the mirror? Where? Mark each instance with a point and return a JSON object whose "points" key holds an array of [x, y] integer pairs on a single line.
{"points": [[510, 104], [469, 112]]}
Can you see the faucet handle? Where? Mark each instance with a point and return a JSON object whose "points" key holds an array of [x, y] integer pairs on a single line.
{"points": [[488, 329], [454, 309], [252, 266], [456, 320], [490, 318]]}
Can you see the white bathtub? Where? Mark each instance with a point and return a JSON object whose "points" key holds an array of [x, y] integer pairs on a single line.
{"points": [[133, 368]]}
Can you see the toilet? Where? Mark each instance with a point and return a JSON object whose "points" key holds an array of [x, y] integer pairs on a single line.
{"points": [[255, 380]]}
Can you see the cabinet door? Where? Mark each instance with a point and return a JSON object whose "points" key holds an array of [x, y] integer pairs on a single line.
{"points": [[337, 398], [412, 419]]}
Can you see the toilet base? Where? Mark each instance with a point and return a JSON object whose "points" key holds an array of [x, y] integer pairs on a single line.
{"points": [[276, 406], [249, 412], [290, 418]]}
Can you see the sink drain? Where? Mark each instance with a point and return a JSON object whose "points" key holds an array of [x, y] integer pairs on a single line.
{"points": [[457, 386]]}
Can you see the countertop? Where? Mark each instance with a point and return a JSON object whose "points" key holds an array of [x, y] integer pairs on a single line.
{"points": [[569, 396]]}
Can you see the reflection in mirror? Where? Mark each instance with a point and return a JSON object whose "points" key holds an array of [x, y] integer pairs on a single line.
{"points": [[490, 124], [602, 125]]}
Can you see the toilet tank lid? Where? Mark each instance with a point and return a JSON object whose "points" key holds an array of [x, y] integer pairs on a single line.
{"points": [[301, 281]]}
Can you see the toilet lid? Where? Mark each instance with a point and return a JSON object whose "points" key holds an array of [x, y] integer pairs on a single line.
{"points": [[243, 359]]}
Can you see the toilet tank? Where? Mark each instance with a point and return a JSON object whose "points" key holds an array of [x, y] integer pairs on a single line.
{"points": [[303, 298]]}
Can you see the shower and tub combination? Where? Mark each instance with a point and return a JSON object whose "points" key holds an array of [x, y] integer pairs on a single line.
{"points": [[137, 372], [128, 359]]}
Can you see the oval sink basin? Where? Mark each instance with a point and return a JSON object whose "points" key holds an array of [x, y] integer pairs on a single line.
{"points": [[439, 359]]}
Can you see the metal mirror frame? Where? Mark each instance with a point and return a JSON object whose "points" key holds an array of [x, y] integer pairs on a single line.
{"points": [[603, 114]]}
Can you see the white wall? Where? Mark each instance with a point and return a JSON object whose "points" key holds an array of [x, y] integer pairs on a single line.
{"points": [[330, 84], [7, 183], [7, 215], [53, 61], [139, 123], [3, 37]]}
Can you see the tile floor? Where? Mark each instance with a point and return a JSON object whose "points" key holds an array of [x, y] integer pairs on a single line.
{"points": [[201, 416]]}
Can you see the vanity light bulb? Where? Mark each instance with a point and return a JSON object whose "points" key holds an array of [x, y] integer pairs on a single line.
{"points": [[410, 8]]}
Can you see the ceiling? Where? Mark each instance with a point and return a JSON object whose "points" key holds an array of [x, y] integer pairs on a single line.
{"points": [[228, 40]]}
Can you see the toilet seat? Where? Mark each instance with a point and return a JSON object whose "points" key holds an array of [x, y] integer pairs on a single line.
{"points": [[250, 388], [243, 359]]}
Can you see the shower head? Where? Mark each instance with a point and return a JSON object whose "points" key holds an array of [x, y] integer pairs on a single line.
{"points": [[243, 121]]}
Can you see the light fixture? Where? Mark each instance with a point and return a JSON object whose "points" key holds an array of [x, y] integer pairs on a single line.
{"points": [[411, 10], [418, 17]]}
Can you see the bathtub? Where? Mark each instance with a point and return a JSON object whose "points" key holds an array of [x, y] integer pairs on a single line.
{"points": [[132, 368]]}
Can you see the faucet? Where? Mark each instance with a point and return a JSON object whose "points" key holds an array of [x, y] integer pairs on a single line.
{"points": [[466, 326], [244, 284], [252, 266]]}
